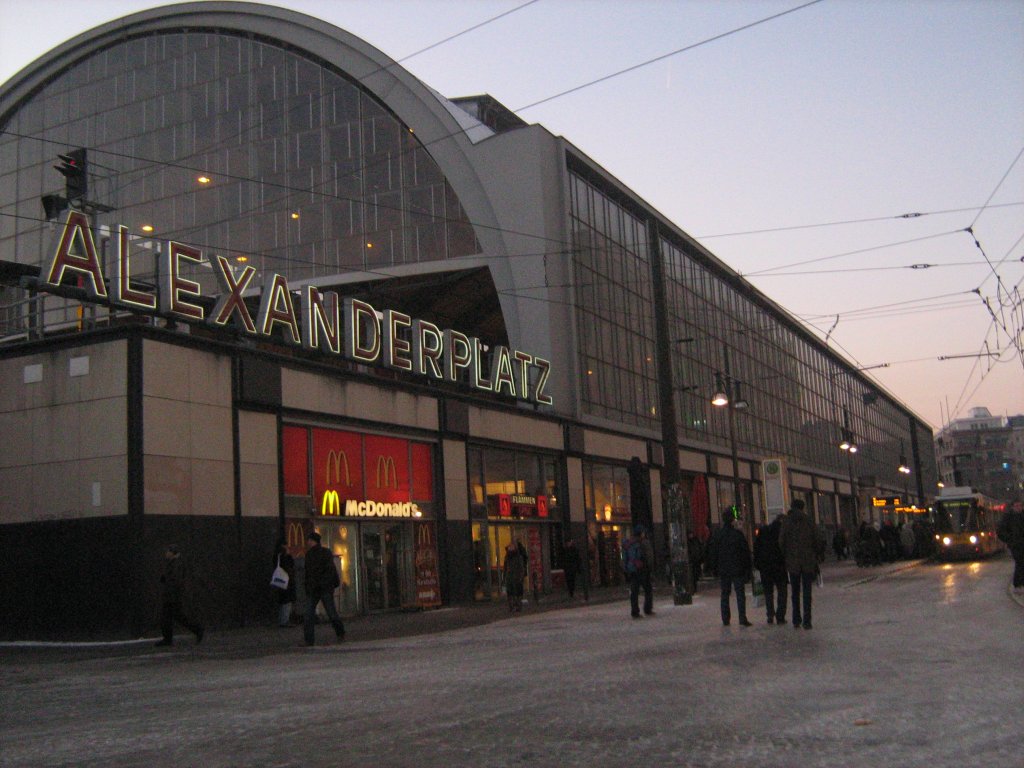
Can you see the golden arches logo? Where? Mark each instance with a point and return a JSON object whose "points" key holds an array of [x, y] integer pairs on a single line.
{"points": [[336, 460], [386, 467], [295, 536], [331, 504], [424, 534]]}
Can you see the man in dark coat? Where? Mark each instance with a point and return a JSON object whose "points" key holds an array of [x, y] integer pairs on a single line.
{"points": [[320, 582], [731, 557], [176, 587], [571, 565], [1011, 531], [637, 561], [803, 548], [769, 561]]}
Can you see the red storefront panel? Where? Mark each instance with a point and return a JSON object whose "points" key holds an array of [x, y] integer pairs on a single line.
{"points": [[387, 469], [337, 466], [422, 472]]}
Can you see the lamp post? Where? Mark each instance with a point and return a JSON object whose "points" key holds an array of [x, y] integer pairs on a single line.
{"points": [[848, 445], [727, 395], [682, 584]]}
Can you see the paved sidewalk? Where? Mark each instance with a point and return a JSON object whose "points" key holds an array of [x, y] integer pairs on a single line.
{"points": [[270, 639]]}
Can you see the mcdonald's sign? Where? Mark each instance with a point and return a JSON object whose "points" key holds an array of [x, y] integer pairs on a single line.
{"points": [[337, 460], [387, 474], [331, 504]]}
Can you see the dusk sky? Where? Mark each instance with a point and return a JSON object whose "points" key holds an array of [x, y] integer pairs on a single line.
{"points": [[792, 147]]}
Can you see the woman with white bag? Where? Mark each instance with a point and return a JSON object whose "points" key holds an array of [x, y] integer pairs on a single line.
{"points": [[283, 562]]}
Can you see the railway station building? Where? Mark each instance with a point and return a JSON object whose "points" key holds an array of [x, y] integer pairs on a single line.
{"points": [[282, 285]]}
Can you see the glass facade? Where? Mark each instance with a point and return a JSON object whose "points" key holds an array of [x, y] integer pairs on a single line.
{"points": [[514, 497], [307, 175], [799, 396]]}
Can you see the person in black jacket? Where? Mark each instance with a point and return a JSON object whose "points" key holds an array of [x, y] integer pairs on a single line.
{"points": [[769, 561], [177, 588], [729, 553], [321, 581]]}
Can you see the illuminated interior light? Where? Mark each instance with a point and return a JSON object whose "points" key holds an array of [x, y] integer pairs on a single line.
{"points": [[295, 215], [147, 227], [241, 259], [203, 179]]}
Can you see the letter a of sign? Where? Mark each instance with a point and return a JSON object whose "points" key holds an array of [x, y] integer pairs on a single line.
{"points": [[76, 231]]}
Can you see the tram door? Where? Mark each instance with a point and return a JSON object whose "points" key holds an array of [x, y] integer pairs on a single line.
{"points": [[385, 554]]}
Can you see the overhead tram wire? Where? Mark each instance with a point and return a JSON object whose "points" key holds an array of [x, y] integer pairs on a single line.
{"points": [[870, 220], [669, 55]]}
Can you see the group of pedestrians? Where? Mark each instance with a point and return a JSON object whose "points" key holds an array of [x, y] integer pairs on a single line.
{"points": [[787, 553]]}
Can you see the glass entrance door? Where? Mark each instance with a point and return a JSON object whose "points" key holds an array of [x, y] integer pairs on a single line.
{"points": [[387, 565]]}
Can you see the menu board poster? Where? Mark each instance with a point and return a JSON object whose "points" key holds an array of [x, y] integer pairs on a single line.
{"points": [[428, 581]]}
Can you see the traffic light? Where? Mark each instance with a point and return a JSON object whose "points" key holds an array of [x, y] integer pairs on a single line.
{"points": [[74, 168]]}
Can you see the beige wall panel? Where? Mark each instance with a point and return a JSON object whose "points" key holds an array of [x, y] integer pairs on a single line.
{"points": [[259, 490], [722, 466], [65, 491], [826, 485], [55, 490], [693, 462], [213, 488], [657, 506], [209, 378], [300, 389], [104, 479], [103, 428], [843, 487], [456, 480], [108, 370], [56, 432], [168, 485], [391, 407], [509, 428], [165, 370], [577, 499], [16, 446], [257, 438], [17, 503], [614, 446], [13, 389], [167, 431], [210, 432], [800, 480]]}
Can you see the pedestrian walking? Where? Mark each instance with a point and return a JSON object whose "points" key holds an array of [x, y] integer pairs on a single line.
{"points": [[839, 544], [803, 548], [772, 566], [571, 566], [285, 597], [1011, 531], [321, 580], [637, 561], [514, 571], [177, 588], [731, 556], [906, 534]]}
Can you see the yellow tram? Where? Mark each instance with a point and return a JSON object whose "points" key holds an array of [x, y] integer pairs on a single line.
{"points": [[965, 524]]}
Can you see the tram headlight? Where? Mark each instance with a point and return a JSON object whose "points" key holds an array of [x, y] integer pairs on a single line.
{"points": [[974, 539], [946, 540]]}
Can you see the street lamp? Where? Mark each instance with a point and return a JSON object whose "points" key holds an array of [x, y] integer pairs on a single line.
{"points": [[727, 395], [848, 445]]}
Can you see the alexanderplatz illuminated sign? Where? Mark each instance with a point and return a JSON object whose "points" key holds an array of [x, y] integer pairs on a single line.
{"points": [[352, 328]]}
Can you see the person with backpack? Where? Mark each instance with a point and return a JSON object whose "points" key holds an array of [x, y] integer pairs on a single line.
{"points": [[1011, 532], [637, 561], [321, 581]]}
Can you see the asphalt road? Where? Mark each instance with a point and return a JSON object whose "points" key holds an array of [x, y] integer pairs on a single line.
{"points": [[921, 667]]}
